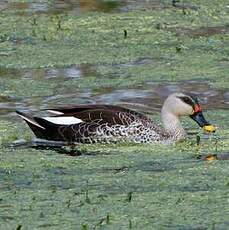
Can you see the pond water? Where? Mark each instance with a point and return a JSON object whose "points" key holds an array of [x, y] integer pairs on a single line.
{"points": [[130, 53], [148, 97], [82, 6]]}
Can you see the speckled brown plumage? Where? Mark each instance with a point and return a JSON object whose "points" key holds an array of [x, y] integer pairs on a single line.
{"points": [[102, 124]]}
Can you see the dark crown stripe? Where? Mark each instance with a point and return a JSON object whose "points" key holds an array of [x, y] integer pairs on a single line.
{"points": [[189, 100]]}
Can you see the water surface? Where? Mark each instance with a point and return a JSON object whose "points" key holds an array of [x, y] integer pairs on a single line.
{"points": [[148, 97], [80, 7]]}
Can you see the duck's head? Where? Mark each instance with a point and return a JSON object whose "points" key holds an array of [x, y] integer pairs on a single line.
{"points": [[181, 104]]}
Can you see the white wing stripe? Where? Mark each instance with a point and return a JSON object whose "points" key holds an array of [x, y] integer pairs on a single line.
{"points": [[63, 120]]}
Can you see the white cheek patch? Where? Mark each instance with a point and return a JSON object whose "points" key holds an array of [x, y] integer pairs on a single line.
{"points": [[63, 120]]}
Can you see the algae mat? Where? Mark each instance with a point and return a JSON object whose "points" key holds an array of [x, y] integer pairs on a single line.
{"points": [[138, 53]]}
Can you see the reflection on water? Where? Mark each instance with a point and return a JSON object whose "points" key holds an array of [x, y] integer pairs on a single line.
{"points": [[152, 96], [60, 6], [82, 6], [78, 71], [8, 104]]}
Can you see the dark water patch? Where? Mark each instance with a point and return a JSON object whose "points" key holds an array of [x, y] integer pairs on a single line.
{"points": [[200, 32], [52, 76], [146, 5], [31, 7], [128, 96], [74, 71], [184, 6], [153, 95], [60, 6], [146, 99], [80, 6], [140, 62]]}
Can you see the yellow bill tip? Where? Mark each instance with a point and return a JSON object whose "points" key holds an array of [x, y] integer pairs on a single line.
{"points": [[209, 128]]}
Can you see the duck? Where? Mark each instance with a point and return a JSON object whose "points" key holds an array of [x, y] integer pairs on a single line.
{"points": [[102, 123]]}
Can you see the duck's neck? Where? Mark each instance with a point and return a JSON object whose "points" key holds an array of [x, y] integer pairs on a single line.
{"points": [[172, 124]]}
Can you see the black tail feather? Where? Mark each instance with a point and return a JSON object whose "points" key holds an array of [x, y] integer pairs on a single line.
{"points": [[42, 128]]}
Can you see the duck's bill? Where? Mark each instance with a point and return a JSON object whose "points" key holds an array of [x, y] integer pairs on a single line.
{"points": [[201, 121]]}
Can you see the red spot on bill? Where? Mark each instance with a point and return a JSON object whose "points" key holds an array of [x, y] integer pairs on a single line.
{"points": [[197, 108]]}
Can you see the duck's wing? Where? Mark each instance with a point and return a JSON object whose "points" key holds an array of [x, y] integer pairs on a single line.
{"points": [[82, 123], [87, 113]]}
